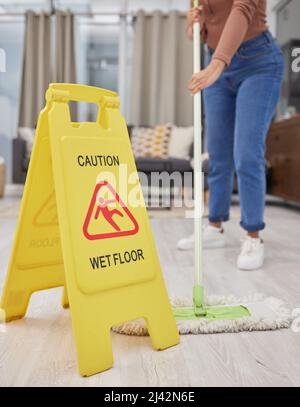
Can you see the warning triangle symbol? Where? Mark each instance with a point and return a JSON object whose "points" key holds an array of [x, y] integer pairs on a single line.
{"points": [[47, 213], [108, 216]]}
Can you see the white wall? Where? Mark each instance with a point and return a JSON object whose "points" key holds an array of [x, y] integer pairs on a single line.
{"points": [[11, 40], [272, 15]]}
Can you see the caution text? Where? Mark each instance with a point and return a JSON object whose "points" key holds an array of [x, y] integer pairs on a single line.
{"points": [[98, 160]]}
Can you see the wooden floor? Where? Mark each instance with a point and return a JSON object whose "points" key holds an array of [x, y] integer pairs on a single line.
{"points": [[39, 350]]}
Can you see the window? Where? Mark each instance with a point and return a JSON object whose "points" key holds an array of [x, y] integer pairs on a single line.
{"points": [[11, 42]]}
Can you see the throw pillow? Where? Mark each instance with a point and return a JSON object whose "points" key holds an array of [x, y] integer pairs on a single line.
{"points": [[27, 134], [180, 142], [151, 142]]}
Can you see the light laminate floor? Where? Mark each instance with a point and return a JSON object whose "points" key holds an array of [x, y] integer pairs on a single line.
{"points": [[39, 350]]}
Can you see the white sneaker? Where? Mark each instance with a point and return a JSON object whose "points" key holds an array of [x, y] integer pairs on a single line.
{"points": [[213, 238], [252, 254]]}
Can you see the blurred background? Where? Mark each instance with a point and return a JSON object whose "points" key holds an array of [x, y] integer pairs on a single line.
{"points": [[139, 49]]}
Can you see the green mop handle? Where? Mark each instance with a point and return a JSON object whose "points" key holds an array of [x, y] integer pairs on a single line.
{"points": [[198, 179]]}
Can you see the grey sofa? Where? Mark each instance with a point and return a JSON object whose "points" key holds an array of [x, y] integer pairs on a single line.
{"points": [[146, 165], [20, 161]]}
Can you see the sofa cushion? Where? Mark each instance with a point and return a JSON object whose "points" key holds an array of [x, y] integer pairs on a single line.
{"points": [[151, 142], [180, 142], [149, 164], [180, 165], [27, 134]]}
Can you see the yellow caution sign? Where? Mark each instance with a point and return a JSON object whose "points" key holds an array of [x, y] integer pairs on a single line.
{"points": [[81, 226]]}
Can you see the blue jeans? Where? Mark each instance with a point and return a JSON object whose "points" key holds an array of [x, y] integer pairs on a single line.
{"points": [[239, 108]]}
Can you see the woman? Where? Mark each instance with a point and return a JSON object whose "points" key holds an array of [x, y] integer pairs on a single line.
{"points": [[241, 84]]}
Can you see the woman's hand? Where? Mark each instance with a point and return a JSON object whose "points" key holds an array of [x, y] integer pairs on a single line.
{"points": [[193, 16], [207, 76]]}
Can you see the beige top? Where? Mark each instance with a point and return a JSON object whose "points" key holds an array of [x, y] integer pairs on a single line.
{"points": [[228, 23]]}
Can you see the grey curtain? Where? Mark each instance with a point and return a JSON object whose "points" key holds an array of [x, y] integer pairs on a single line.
{"points": [[39, 68], [162, 67], [36, 73], [65, 62]]}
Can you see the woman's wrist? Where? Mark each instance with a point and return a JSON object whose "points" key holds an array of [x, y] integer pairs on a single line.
{"points": [[219, 63]]}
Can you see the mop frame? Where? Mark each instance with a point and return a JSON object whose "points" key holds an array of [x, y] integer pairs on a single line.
{"points": [[199, 310]]}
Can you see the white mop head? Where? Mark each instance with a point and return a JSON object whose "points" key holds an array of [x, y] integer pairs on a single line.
{"points": [[267, 313]]}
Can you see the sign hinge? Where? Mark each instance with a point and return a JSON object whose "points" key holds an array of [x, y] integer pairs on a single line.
{"points": [[57, 95]]}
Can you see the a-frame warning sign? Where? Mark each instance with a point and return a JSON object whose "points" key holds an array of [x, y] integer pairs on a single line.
{"points": [[79, 232]]}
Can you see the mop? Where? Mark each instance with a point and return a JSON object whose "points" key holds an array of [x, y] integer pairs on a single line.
{"points": [[213, 314]]}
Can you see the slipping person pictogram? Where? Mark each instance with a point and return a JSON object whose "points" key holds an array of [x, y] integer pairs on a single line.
{"points": [[103, 222], [107, 213]]}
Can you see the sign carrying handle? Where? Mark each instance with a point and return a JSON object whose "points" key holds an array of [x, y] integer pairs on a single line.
{"points": [[78, 93], [65, 92]]}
